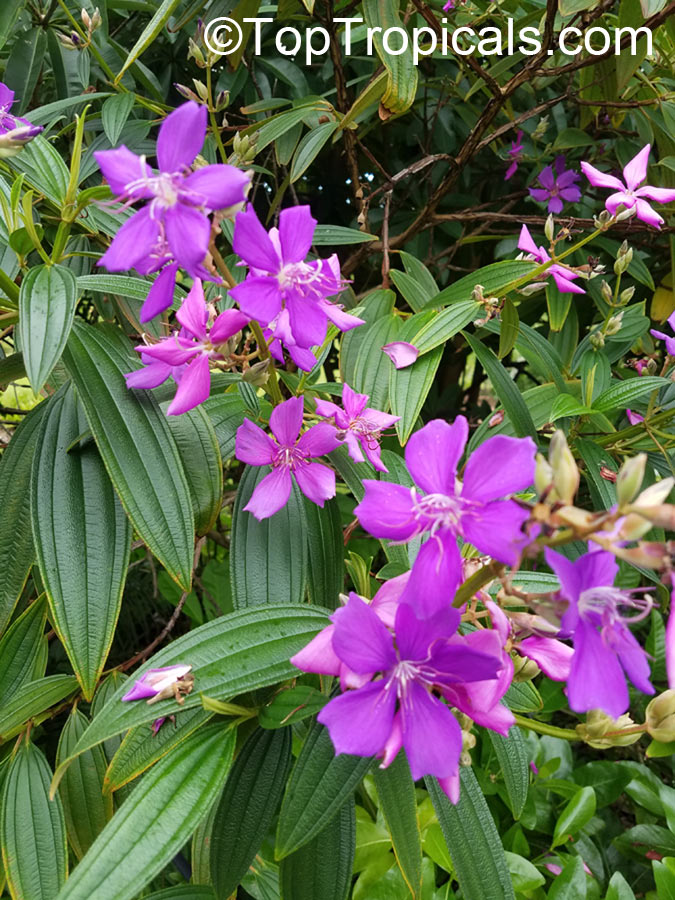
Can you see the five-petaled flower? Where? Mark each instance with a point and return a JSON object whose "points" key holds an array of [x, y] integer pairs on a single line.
{"points": [[290, 456], [515, 153], [160, 684], [604, 647], [358, 425], [173, 227], [445, 510], [285, 292], [185, 356], [557, 186], [563, 277], [629, 194]]}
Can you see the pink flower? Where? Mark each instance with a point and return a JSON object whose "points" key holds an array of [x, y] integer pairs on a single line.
{"points": [[630, 194], [156, 684], [668, 338], [557, 186], [515, 153], [401, 353], [563, 277], [633, 417]]}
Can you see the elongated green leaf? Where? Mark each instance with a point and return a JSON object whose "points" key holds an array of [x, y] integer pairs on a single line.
{"points": [[149, 34], [114, 113], [247, 806], [618, 888], [323, 867], [338, 235], [9, 13], [558, 305], [141, 747], [422, 275], [620, 395], [408, 388], [46, 308], [155, 820], [291, 705], [445, 325], [226, 412], [579, 811], [184, 892], [506, 390], [472, 838], [136, 445], [401, 89], [245, 650], [260, 551], [310, 147], [277, 125], [319, 785], [603, 492], [85, 808], [493, 279], [21, 648], [32, 828], [22, 70], [325, 572], [396, 791], [16, 536], [31, 699], [82, 538], [199, 451], [371, 367], [514, 760], [508, 334], [571, 883], [539, 352], [122, 285], [44, 169], [376, 305]]}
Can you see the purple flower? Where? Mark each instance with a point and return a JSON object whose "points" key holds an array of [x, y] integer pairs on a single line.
{"points": [[604, 647], [631, 194], [401, 353], [563, 277], [283, 291], [670, 637], [633, 417], [358, 425], [668, 338], [557, 186], [15, 132], [444, 510], [515, 153], [185, 356], [174, 225], [157, 684], [289, 455], [399, 708]]}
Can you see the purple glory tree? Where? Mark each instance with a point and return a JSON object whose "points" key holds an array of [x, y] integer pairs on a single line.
{"points": [[628, 192], [173, 226], [14, 131], [399, 708], [185, 355], [359, 426], [557, 186], [290, 456], [284, 291], [563, 277], [444, 510], [604, 647]]}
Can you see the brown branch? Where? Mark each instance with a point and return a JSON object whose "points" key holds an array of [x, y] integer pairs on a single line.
{"points": [[631, 225]]}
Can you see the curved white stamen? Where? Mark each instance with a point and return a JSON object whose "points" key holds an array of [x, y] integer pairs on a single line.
{"points": [[607, 601]]}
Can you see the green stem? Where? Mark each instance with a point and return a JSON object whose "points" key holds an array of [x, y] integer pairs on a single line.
{"points": [[542, 728], [60, 241], [273, 383], [8, 287], [212, 118], [478, 580]]}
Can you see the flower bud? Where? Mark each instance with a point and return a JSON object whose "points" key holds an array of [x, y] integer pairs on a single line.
{"points": [[660, 717], [595, 729], [656, 494], [222, 100], [602, 220], [66, 42], [258, 373], [524, 669], [532, 288], [11, 142], [626, 295], [630, 477], [549, 228], [659, 516], [597, 340], [614, 324], [650, 554], [565, 470], [543, 475], [96, 19], [606, 292], [86, 20], [624, 250], [625, 214], [540, 130], [201, 90], [186, 92], [194, 52], [580, 519]]}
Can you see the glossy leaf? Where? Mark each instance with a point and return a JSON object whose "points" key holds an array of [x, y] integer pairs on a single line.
{"points": [[318, 787], [576, 813], [136, 445], [82, 538], [571, 883], [21, 648], [260, 551], [493, 279], [114, 114], [291, 705], [32, 828], [32, 699], [309, 148], [396, 792], [44, 169], [226, 412], [155, 820], [149, 34], [623, 393], [445, 325], [247, 806]]}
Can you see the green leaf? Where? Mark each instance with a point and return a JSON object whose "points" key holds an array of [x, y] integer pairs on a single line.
{"points": [[184, 892], [371, 368], [155, 820], [325, 569], [606, 778], [539, 352], [149, 34], [44, 169], [291, 705], [323, 867], [422, 276], [136, 445], [508, 334], [621, 394], [43, 115], [247, 806], [22, 70], [85, 808], [338, 236], [9, 13], [242, 651], [505, 388], [618, 888], [310, 147], [260, 552], [226, 412], [472, 838], [375, 305], [409, 289], [22, 647], [524, 876], [16, 536], [114, 114], [402, 74], [11, 369], [31, 699], [121, 285], [396, 791], [603, 492], [558, 305], [577, 813], [641, 839], [408, 388], [523, 697], [571, 883], [198, 449], [445, 325], [319, 786], [514, 758], [82, 538], [567, 406], [141, 747], [493, 279], [32, 828], [277, 125]]}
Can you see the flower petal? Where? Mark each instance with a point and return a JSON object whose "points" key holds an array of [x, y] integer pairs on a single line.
{"points": [[318, 656], [596, 679], [386, 511], [121, 167], [271, 494], [360, 639], [317, 482], [188, 232], [307, 320], [415, 635], [553, 657], [296, 231], [433, 452], [632, 657], [431, 735], [193, 313], [258, 297], [253, 243], [635, 171], [621, 198], [360, 722], [217, 186], [133, 242], [318, 440], [646, 214], [226, 325], [658, 195], [286, 421], [496, 529], [498, 467], [435, 576], [601, 179], [181, 136], [160, 295], [253, 446], [401, 353], [150, 376], [526, 243], [194, 387]]}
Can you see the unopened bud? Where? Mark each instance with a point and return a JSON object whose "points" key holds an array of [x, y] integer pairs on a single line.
{"points": [[656, 493], [581, 519], [650, 554], [624, 250], [660, 717], [626, 214], [549, 228], [543, 475], [532, 288], [477, 294], [565, 470], [524, 669], [630, 478], [96, 19], [660, 516], [597, 340], [86, 19], [258, 373], [614, 324], [194, 52], [222, 100], [202, 91], [11, 142], [626, 295], [594, 731], [186, 92], [602, 220], [540, 130], [606, 292], [66, 42]]}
